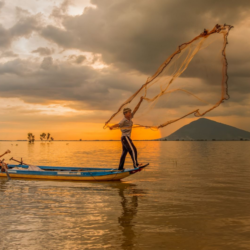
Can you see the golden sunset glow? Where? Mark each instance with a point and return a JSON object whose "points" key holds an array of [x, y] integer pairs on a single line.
{"points": [[124, 124], [66, 67]]}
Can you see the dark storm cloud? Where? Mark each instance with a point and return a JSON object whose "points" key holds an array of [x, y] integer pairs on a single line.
{"points": [[88, 88], [41, 83], [132, 36], [142, 34]]}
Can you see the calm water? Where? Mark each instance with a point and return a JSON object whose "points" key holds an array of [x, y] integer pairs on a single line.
{"points": [[194, 195]]}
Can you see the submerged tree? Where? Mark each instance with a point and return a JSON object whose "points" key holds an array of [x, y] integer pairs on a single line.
{"points": [[46, 137], [42, 136], [31, 138]]}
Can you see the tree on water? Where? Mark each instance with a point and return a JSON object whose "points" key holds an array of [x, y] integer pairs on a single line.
{"points": [[46, 137], [42, 136], [31, 138]]}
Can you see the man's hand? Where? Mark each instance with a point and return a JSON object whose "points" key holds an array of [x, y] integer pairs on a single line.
{"points": [[114, 126]]}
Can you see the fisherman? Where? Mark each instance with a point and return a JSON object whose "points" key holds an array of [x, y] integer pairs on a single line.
{"points": [[3, 165], [126, 125]]}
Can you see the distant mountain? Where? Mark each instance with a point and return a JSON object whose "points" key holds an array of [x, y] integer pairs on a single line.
{"points": [[205, 129]]}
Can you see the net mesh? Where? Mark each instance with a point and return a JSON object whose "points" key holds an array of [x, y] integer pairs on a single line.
{"points": [[193, 80]]}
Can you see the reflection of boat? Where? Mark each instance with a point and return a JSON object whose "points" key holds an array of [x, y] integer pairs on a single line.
{"points": [[69, 173]]}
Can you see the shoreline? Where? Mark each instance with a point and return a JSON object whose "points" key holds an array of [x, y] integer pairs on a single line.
{"points": [[181, 140]]}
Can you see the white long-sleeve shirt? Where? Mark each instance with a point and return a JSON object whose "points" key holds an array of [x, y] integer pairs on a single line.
{"points": [[126, 126]]}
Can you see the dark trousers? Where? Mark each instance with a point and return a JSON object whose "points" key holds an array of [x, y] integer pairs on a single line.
{"points": [[128, 146]]}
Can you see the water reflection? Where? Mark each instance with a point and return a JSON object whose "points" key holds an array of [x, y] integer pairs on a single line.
{"points": [[3, 184], [31, 150], [168, 206], [130, 196]]}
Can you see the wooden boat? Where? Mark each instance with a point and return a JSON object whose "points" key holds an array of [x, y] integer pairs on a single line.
{"points": [[69, 173]]}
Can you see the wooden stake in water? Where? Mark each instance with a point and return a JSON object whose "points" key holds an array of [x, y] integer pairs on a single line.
{"points": [[4, 166]]}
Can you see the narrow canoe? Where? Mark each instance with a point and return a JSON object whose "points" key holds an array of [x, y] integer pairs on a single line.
{"points": [[70, 173]]}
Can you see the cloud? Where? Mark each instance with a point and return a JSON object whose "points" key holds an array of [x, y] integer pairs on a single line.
{"points": [[133, 39], [5, 37], [16, 67], [8, 54], [84, 88], [47, 63], [21, 13], [141, 35], [1, 4], [80, 59], [52, 80], [24, 27], [43, 51]]}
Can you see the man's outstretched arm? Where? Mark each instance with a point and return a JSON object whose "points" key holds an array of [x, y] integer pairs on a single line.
{"points": [[114, 126], [137, 106]]}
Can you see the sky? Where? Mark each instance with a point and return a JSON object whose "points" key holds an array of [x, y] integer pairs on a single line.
{"points": [[67, 65]]}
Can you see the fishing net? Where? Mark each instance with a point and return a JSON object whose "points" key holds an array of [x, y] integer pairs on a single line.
{"points": [[193, 80]]}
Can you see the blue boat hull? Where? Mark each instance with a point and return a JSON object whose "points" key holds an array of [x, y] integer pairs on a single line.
{"points": [[70, 173]]}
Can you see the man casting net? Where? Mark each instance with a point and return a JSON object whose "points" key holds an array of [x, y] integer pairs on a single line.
{"points": [[193, 80]]}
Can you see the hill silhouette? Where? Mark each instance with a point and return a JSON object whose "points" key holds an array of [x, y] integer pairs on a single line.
{"points": [[205, 129]]}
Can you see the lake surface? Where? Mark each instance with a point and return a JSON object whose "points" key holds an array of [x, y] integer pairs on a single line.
{"points": [[194, 195]]}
